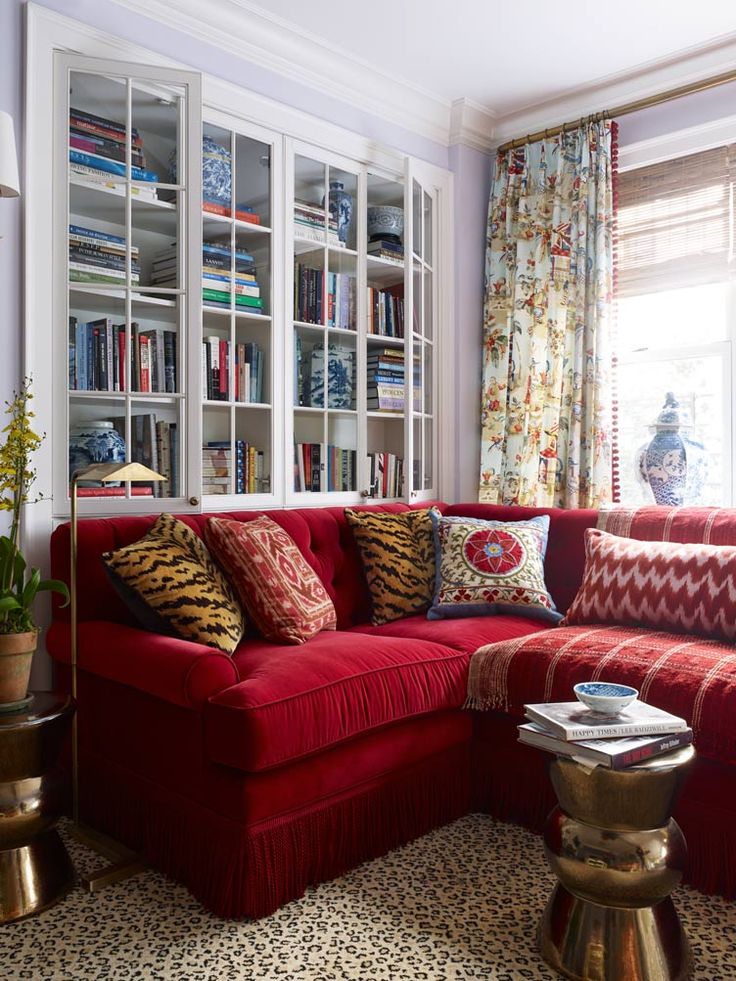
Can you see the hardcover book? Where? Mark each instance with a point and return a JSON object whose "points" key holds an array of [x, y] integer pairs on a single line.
{"points": [[572, 721], [616, 753]]}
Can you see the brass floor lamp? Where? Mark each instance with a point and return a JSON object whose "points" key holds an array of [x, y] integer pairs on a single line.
{"points": [[124, 862]]}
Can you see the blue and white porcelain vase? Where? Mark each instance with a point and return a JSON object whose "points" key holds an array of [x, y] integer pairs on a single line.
{"points": [[671, 464], [94, 442], [341, 209], [217, 172]]}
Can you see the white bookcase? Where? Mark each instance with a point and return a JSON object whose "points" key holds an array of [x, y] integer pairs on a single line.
{"points": [[241, 338]]}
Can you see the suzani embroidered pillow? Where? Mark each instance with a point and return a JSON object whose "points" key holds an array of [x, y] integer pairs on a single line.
{"points": [[488, 567], [281, 592], [664, 585], [397, 551], [171, 584]]}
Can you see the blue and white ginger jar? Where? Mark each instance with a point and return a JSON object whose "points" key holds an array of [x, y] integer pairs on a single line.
{"points": [[341, 209], [217, 172], [94, 442], [671, 464]]}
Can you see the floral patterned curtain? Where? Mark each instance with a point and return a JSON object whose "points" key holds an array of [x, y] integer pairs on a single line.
{"points": [[546, 401]]}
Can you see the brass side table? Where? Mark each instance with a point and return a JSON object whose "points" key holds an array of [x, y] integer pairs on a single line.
{"points": [[618, 854], [35, 868]]}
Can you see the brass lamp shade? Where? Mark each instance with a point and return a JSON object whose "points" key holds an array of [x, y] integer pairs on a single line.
{"points": [[124, 472]]}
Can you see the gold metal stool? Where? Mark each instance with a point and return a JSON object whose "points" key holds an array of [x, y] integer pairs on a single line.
{"points": [[618, 854], [35, 868]]}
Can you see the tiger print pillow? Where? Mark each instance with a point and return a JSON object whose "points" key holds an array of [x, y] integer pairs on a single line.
{"points": [[397, 551], [171, 584]]}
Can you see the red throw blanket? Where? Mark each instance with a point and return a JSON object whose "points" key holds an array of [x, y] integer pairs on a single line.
{"points": [[688, 676]]}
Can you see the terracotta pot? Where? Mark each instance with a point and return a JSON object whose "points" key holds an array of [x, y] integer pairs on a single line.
{"points": [[16, 655]]}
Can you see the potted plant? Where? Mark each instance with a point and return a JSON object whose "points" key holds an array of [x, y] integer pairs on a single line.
{"points": [[19, 586]]}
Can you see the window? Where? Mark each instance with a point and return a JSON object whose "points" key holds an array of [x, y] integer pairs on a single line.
{"points": [[677, 313]]}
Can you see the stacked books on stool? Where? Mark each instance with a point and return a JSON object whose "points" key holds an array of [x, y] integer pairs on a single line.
{"points": [[614, 740]]}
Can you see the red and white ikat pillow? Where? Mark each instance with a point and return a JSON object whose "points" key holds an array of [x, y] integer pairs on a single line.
{"points": [[282, 593], [664, 585]]}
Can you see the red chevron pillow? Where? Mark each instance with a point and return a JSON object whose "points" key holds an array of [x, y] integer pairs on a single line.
{"points": [[667, 585]]}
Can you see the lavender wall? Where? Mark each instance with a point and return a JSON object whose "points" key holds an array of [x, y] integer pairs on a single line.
{"points": [[472, 170]]}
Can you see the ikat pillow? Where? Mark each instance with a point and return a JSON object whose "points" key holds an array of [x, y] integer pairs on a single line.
{"points": [[281, 592], [170, 583], [665, 585], [490, 567]]}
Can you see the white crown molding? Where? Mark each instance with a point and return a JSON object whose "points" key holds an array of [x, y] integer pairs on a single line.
{"points": [[685, 67], [472, 125], [681, 143], [248, 32]]}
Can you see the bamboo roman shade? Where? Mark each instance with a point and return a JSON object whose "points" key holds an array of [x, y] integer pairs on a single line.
{"points": [[676, 222]]}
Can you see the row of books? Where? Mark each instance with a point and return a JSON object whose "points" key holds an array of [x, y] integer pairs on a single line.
{"points": [[155, 444], [98, 257], [385, 381], [387, 249], [310, 221], [311, 459], [247, 371], [341, 301], [309, 375], [98, 357], [221, 476], [638, 733], [385, 313], [385, 475], [97, 154], [308, 294]]}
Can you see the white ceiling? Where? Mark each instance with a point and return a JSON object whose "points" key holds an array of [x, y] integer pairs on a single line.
{"points": [[505, 56]]}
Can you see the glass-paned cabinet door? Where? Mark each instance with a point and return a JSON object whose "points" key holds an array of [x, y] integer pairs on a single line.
{"points": [[323, 325], [386, 335], [124, 231], [237, 341], [421, 346]]}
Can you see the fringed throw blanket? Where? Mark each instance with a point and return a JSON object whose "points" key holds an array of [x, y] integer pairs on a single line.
{"points": [[689, 676]]}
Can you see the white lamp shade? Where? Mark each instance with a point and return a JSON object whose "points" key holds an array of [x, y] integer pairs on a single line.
{"points": [[9, 182]]}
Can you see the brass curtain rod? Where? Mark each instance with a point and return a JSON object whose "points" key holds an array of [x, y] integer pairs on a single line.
{"points": [[625, 109]]}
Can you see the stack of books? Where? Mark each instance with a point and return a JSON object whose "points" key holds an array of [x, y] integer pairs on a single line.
{"points": [[341, 301], [638, 733], [309, 223], [219, 281], [217, 467], [308, 465], [97, 257], [387, 249], [97, 149], [385, 313], [385, 380], [243, 212], [247, 379], [386, 475]]}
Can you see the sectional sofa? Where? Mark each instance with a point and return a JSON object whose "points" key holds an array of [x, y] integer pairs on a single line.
{"points": [[250, 777]]}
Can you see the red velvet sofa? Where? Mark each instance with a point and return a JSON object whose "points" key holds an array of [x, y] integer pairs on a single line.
{"points": [[250, 778]]}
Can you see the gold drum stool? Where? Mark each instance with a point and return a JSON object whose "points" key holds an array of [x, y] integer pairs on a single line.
{"points": [[35, 868], [618, 854]]}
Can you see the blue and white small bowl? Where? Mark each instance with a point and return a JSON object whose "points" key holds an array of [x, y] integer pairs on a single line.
{"points": [[604, 697]]}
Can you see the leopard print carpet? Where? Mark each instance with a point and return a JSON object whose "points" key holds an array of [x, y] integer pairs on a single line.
{"points": [[460, 903]]}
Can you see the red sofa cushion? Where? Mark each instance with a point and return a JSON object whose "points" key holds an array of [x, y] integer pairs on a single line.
{"points": [[296, 701], [688, 676], [466, 634]]}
